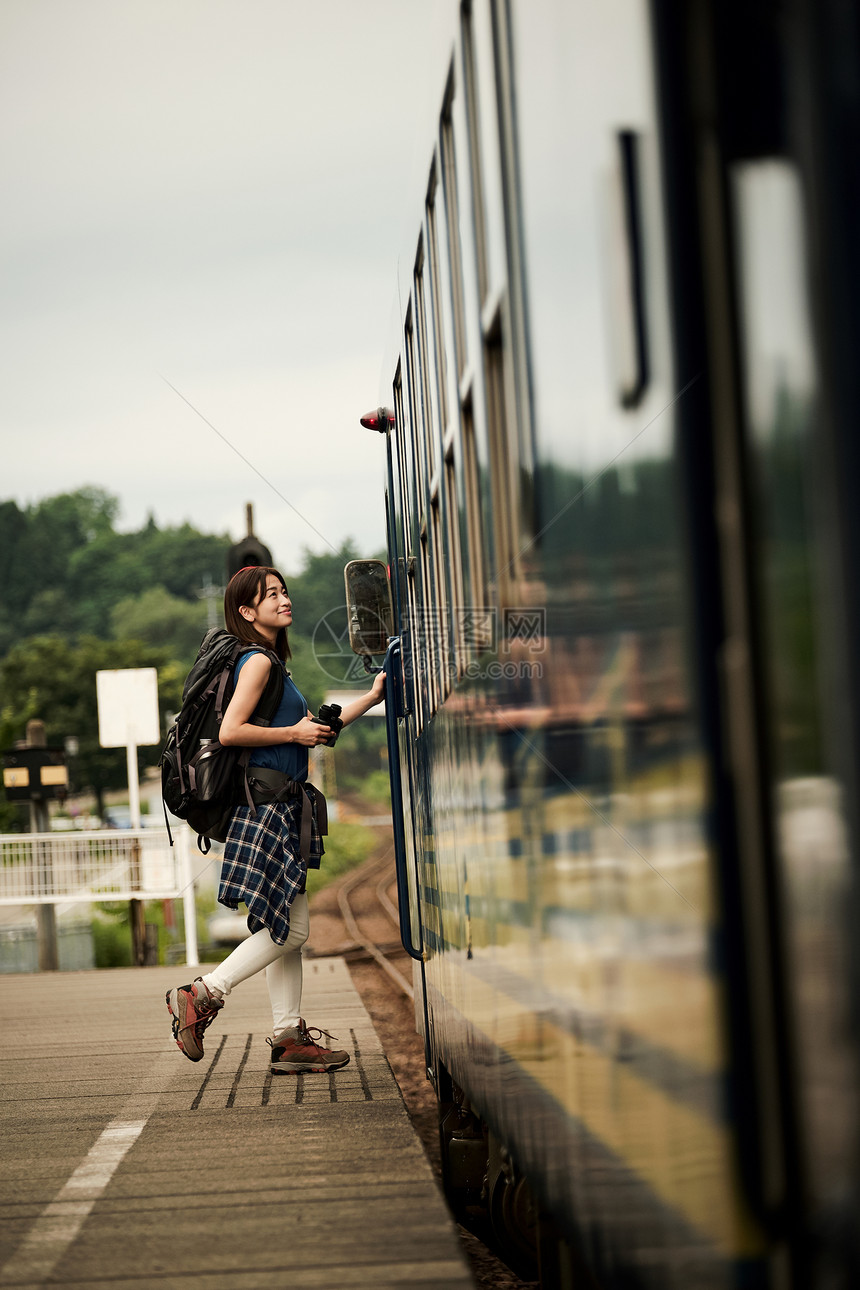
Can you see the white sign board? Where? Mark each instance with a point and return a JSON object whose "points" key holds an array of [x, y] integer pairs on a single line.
{"points": [[128, 707]]}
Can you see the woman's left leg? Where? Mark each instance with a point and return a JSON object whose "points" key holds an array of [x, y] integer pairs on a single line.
{"points": [[284, 974], [294, 1048]]}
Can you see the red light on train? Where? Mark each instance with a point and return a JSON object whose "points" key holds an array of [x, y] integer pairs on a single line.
{"points": [[381, 420]]}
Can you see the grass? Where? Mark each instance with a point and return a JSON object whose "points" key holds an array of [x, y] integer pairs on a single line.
{"points": [[376, 788]]}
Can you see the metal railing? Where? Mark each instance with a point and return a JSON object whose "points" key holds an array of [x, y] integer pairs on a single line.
{"points": [[101, 865]]}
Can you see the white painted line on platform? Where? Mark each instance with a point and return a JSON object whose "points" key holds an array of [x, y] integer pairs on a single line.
{"points": [[61, 1221]]}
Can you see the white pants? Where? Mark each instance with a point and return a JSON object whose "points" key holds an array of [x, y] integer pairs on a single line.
{"points": [[283, 964]]}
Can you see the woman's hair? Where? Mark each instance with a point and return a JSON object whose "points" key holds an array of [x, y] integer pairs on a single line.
{"points": [[247, 587]]}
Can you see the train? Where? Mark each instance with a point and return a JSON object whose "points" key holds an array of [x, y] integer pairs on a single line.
{"points": [[620, 624]]}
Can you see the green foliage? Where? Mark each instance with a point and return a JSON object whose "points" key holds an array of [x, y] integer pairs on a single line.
{"points": [[306, 671], [112, 941], [158, 618], [118, 565], [346, 847], [359, 755], [320, 625], [14, 816], [111, 928], [35, 546], [64, 568], [376, 787], [50, 679]]}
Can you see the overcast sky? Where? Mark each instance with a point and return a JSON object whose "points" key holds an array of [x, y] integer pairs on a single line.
{"points": [[214, 194]]}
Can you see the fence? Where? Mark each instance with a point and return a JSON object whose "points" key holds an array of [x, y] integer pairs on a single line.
{"points": [[105, 864], [19, 947]]}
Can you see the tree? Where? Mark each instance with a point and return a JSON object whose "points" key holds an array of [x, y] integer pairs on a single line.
{"points": [[16, 571], [64, 568], [13, 815], [158, 618], [48, 678], [35, 547], [318, 641], [118, 565], [59, 526]]}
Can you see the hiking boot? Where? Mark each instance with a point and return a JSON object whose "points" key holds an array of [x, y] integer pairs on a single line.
{"points": [[296, 1049], [191, 1008]]}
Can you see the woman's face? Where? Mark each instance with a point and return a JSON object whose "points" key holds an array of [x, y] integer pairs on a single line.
{"points": [[272, 610]]}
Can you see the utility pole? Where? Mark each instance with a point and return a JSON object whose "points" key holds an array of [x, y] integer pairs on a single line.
{"points": [[212, 594], [45, 914]]}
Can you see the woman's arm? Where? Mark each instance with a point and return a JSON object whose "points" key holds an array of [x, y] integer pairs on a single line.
{"points": [[358, 707], [236, 728]]}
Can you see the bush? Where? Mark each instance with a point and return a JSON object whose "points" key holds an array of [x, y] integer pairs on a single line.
{"points": [[376, 788], [111, 943], [346, 847]]}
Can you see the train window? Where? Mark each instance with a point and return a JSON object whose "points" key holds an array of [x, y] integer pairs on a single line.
{"points": [[422, 635], [782, 392], [426, 641], [475, 635], [453, 566], [425, 360], [511, 216], [475, 160], [436, 298], [442, 614], [415, 418], [415, 662], [398, 497], [503, 465], [452, 221]]}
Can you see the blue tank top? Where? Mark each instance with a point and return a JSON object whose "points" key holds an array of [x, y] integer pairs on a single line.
{"points": [[289, 759]]}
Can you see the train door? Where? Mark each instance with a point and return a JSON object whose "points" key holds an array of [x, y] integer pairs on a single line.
{"points": [[402, 489]]}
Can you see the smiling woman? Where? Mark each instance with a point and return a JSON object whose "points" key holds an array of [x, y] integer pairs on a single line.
{"points": [[273, 843]]}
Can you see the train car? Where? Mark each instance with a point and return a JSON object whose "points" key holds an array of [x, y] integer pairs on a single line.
{"points": [[620, 414]]}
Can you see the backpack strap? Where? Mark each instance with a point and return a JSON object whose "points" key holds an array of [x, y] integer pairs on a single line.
{"points": [[270, 699], [269, 702]]}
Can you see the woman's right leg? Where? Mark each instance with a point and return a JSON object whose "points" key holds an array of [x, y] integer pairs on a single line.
{"points": [[259, 951]]}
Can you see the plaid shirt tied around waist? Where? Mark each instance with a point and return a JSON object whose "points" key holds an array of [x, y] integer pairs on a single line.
{"points": [[263, 863]]}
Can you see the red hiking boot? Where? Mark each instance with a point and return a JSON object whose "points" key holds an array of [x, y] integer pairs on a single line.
{"points": [[191, 1008], [296, 1049]]}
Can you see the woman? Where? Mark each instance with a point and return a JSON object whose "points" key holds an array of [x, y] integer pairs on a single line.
{"points": [[266, 855]]}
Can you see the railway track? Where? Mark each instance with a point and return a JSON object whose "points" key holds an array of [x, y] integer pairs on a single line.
{"points": [[368, 916], [379, 876]]}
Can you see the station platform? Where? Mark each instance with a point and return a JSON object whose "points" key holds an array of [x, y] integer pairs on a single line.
{"points": [[123, 1164]]}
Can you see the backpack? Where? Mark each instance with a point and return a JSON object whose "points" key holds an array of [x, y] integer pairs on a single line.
{"points": [[202, 781]]}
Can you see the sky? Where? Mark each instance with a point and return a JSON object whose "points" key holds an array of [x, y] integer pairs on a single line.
{"points": [[204, 203]]}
